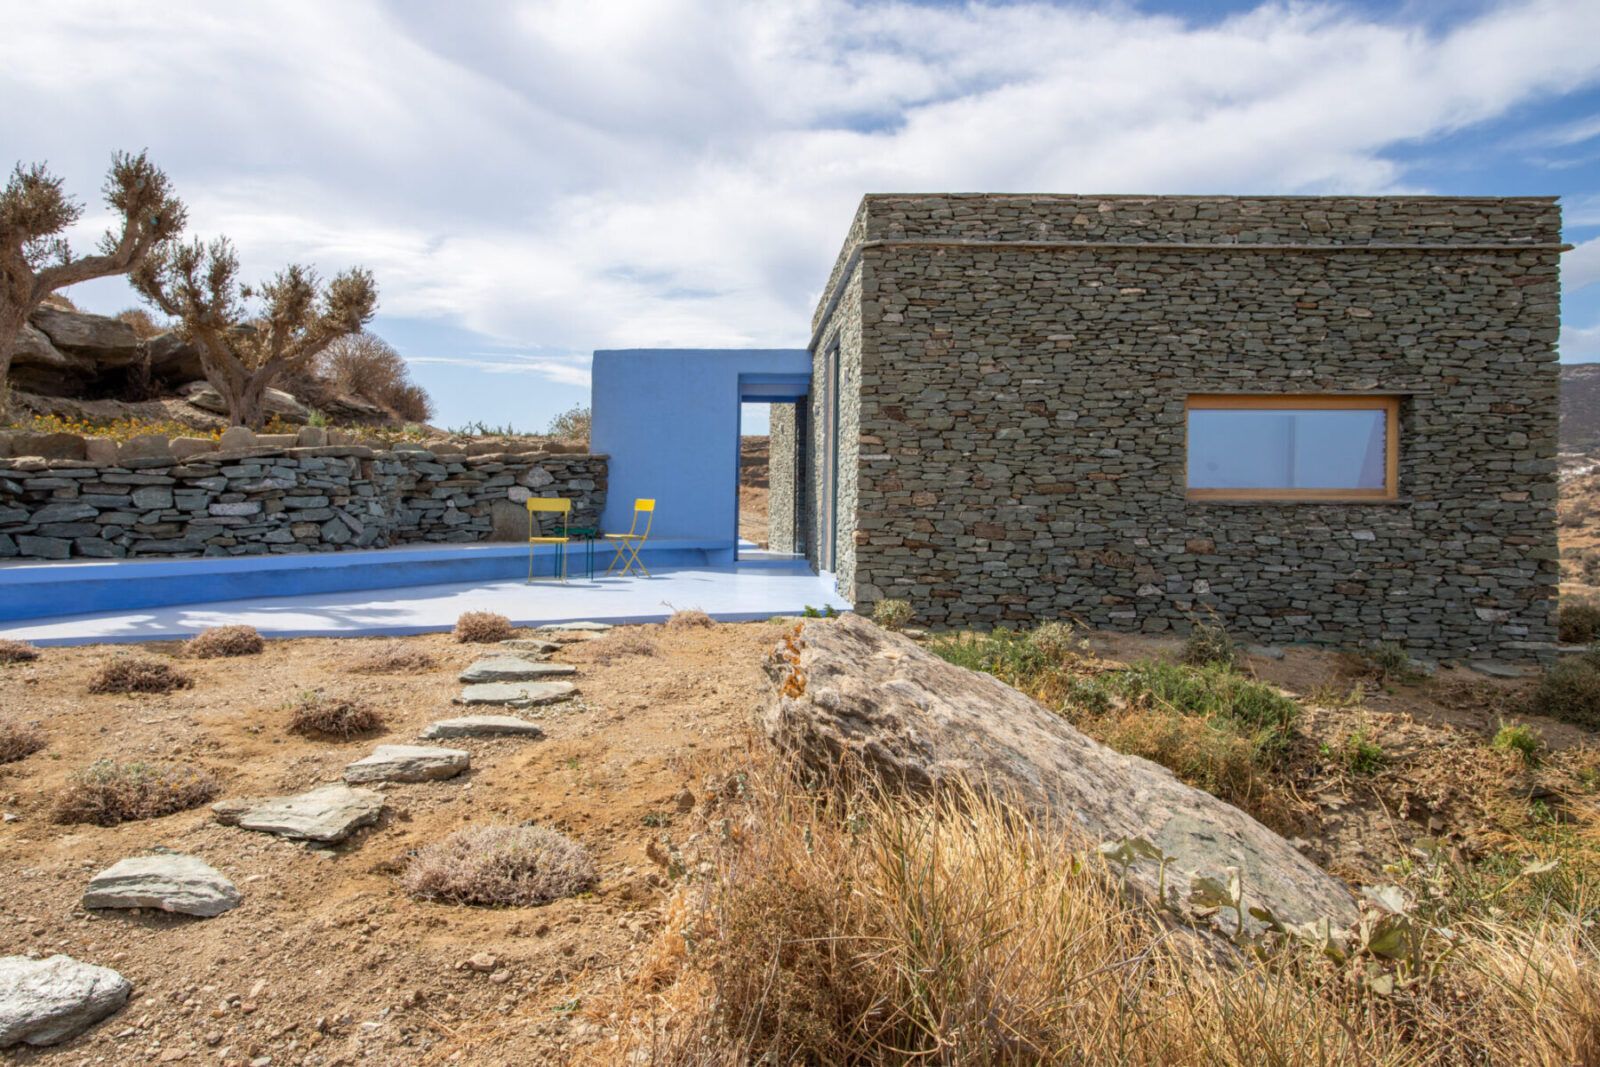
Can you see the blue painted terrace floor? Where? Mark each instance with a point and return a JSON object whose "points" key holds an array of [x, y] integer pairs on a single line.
{"points": [[724, 593]]}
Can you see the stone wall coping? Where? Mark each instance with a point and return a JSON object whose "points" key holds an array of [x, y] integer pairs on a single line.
{"points": [[28, 463]]}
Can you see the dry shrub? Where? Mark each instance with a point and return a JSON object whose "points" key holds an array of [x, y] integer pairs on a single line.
{"points": [[1570, 691], [224, 641], [884, 932], [318, 715], [367, 365], [107, 792], [396, 657], [620, 644], [689, 619], [17, 652], [131, 674], [144, 324], [483, 627], [18, 739], [499, 865], [1578, 623]]}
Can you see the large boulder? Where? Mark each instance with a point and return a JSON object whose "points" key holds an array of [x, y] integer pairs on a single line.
{"points": [[859, 696], [107, 341], [39, 366], [174, 360], [276, 401], [43, 1002]]}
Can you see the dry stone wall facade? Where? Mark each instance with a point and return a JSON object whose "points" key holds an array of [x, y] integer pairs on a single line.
{"points": [[1016, 432], [276, 499]]}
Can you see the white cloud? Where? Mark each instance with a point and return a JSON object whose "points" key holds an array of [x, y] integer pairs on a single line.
{"points": [[572, 175], [1580, 344], [1581, 266]]}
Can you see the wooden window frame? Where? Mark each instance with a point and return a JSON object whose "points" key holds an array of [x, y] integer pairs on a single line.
{"points": [[1388, 404]]}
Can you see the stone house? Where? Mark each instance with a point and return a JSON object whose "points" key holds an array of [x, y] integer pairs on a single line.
{"points": [[1316, 419]]}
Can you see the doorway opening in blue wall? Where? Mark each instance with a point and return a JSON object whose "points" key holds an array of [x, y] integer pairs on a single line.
{"points": [[771, 474]]}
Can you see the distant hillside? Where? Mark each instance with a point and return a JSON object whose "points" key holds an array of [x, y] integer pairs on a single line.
{"points": [[1580, 407]]}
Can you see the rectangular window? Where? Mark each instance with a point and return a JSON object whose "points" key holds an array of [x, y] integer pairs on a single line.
{"points": [[1293, 447]]}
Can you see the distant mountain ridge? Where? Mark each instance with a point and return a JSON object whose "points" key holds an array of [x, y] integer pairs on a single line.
{"points": [[1580, 407]]}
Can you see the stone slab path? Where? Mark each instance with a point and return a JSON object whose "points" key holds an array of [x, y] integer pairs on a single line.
{"points": [[408, 763], [517, 694], [531, 645], [328, 813], [186, 885], [481, 726], [43, 1002], [514, 669]]}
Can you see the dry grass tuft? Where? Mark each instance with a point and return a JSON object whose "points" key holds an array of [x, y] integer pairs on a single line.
{"points": [[224, 641], [619, 644], [107, 793], [689, 619], [396, 657], [18, 739], [131, 674], [499, 865], [482, 627], [317, 715], [964, 933], [17, 652]]}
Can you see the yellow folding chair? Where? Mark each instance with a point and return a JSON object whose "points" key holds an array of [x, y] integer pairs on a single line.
{"points": [[559, 505], [628, 544]]}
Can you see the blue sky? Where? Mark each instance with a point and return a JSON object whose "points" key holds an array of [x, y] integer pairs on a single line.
{"points": [[533, 181]]}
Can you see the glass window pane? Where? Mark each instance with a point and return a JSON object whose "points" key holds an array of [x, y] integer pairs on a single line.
{"points": [[1252, 448]]}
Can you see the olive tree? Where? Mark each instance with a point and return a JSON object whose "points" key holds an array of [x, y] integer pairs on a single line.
{"points": [[249, 336], [35, 259]]}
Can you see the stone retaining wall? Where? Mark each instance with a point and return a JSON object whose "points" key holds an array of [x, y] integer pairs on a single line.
{"points": [[1017, 431], [274, 496]]}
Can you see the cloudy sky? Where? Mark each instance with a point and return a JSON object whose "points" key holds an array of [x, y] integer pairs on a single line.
{"points": [[532, 181]]}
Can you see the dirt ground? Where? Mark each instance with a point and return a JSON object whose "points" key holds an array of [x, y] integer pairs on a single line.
{"points": [[328, 962]]}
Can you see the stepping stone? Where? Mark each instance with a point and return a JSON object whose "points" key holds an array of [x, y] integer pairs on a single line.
{"points": [[482, 726], [408, 763], [531, 644], [328, 813], [186, 885], [1498, 670], [46, 1001], [517, 694], [514, 669]]}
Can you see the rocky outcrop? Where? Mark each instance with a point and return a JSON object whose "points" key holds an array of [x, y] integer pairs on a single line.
{"points": [[66, 353], [44, 1002], [854, 695], [274, 402]]}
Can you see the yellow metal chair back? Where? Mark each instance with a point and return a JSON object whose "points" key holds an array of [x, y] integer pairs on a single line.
{"points": [[628, 544], [549, 505]]}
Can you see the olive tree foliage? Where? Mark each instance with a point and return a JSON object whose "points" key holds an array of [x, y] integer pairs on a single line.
{"points": [[249, 336], [35, 259]]}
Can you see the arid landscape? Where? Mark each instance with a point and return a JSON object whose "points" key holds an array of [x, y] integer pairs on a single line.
{"points": [[329, 961]]}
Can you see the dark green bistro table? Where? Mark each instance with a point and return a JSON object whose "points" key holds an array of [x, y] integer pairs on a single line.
{"points": [[588, 535]]}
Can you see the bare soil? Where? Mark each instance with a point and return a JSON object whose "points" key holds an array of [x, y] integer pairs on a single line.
{"points": [[327, 961]]}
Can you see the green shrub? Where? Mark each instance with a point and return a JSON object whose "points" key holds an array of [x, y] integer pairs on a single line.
{"points": [[1214, 692], [1579, 623], [891, 614], [1360, 752], [1521, 739], [1059, 642], [1210, 646], [1388, 660], [1570, 691]]}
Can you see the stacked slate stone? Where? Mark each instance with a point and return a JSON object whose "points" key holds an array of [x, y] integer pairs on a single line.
{"points": [[62, 496], [1012, 379]]}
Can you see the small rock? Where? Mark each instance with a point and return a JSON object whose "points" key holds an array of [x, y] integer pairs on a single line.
{"points": [[500, 977], [513, 669], [684, 801], [574, 627], [43, 1002], [531, 644], [482, 726], [235, 437], [483, 962], [186, 885], [517, 694], [407, 763]]}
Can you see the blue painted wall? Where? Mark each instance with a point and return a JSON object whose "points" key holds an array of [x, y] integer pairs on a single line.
{"points": [[669, 420]]}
